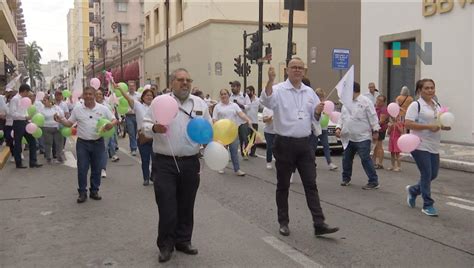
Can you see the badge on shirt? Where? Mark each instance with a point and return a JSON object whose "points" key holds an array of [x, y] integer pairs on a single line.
{"points": [[300, 114], [198, 112]]}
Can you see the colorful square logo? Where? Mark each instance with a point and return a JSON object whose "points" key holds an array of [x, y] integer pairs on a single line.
{"points": [[396, 53]]}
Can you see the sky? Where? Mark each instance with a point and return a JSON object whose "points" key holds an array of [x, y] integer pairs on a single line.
{"points": [[46, 23]]}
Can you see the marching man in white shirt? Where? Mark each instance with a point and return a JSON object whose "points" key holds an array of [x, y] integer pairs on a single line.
{"points": [[295, 106], [90, 146], [356, 128]]}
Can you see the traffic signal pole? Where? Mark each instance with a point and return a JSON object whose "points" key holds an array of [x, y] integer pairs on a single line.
{"points": [[244, 68], [260, 45]]}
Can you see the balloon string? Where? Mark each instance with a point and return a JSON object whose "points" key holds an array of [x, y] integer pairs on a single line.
{"points": [[172, 151]]}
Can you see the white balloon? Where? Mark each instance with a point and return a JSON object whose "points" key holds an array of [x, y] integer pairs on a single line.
{"points": [[216, 156], [447, 119]]}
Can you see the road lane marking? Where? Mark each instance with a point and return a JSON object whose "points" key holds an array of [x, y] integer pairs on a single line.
{"points": [[460, 206], [131, 156], [461, 199], [70, 159], [292, 253]]}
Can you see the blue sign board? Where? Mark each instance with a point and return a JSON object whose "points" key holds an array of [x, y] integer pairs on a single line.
{"points": [[340, 58]]}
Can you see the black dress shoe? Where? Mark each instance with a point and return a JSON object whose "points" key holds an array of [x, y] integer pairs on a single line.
{"points": [[21, 166], [36, 165], [95, 196], [284, 230], [324, 229], [186, 248], [165, 255], [82, 198]]}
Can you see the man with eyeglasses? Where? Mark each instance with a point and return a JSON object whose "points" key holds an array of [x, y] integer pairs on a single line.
{"points": [[295, 106], [242, 100], [177, 169]]}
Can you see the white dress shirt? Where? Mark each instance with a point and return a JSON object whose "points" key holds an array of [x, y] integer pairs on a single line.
{"points": [[357, 125], [63, 106], [269, 125], [176, 135], [240, 99], [293, 109], [371, 97], [49, 113], [427, 116], [16, 112], [227, 111], [251, 109], [87, 120]]}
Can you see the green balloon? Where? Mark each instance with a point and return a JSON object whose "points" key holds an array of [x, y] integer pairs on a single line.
{"points": [[31, 110], [24, 141], [118, 93], [324, 120], [38, 133], [140, 89], [122, 101], [38, 119], [109, 133], [2, 134], [66, 132], [106, 134], [66, 93], [122, 110], [123, 86]]}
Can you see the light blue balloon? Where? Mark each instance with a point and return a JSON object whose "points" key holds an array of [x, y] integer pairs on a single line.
{"points": [[200, 131]]}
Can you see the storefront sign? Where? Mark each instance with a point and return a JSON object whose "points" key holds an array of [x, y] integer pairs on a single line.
{"points": [[432, 7]]}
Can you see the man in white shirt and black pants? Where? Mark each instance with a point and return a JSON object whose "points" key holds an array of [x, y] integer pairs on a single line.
{"points": [[90, 146], [242, 100], [295, 106], [357, 126], [176, 169], [19, 129]]}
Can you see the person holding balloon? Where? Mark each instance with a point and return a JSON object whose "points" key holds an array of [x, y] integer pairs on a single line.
{"points": [[18, 109], [383, 116], [90, 143], [130, 117], [175, 164], [231, 111], [295, 107], [145, 145], [395, 129], [50, 129], [422, 120]]}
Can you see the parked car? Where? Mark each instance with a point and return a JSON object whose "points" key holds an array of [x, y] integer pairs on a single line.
{"points": [[335, 144]]}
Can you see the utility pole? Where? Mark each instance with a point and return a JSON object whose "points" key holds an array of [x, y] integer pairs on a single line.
{"points": [[245, 61], [289, 49], [167, 7], [118, 26], [260, 45]]}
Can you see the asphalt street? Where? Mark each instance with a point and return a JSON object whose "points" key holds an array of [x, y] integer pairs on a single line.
{"points": [[235, 220]]}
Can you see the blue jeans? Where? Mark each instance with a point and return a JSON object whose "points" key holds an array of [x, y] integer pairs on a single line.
{"points": [[428, 165], [146, 151], [131, 122], [269, 140], [234, 154], [363, 150], [112, 145], [89, 153], [324, 142]]}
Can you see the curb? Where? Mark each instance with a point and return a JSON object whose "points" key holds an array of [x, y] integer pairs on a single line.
{"points": [[443, 162]]}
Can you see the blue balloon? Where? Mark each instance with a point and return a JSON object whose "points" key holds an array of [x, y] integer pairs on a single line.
{"points": [[200, 131]]}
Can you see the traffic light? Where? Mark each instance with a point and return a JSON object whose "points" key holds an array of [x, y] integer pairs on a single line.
{"points": [[273, 26], [238, 65], [253, 52], [268, 53], [247, 69]]}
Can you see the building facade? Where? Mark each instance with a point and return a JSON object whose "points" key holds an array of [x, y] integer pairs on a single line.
{"points": [[206, 36], [12, 41]]}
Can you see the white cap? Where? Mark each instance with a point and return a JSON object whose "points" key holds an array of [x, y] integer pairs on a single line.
{"points": [[8, 90]]}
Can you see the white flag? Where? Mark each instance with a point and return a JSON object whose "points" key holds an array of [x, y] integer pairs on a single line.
{"points": [[13, 82], [345, 89]]}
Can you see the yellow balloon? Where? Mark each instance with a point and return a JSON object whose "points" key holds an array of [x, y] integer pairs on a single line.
{"points": [[225, 131]]}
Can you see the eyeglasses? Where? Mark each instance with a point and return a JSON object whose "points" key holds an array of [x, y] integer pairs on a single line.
{"points": [[181, 80], [295, 68]]}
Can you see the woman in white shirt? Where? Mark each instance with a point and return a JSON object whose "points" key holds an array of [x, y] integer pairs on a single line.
{"points": [[422, 120], [51, 133], [229, 110], [145, 145]]}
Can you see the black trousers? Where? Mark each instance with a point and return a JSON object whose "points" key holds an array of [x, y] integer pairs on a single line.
{"points": [[19, 129], [290, 154], [175, 193], [243, 137], [254, 147]]}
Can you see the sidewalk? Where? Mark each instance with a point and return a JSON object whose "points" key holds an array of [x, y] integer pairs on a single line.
{"points": [[452, 156]]}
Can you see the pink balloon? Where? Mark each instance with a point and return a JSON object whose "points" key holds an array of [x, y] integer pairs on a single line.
{"points": [[31, 128], [25, 102], [40, 96], [147, 86], [335, 117], [328, 107], [393, 109], [408, 142], [95, 83], [164, 109]]}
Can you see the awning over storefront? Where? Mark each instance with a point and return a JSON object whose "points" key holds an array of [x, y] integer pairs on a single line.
{"points": [[131, 71]]}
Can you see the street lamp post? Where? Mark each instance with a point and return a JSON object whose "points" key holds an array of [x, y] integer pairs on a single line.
{"points": [[118, 26], [167, 5], [90, 51]]}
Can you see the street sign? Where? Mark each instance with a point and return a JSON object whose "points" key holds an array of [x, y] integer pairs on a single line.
{"points": [[340, 58]]}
